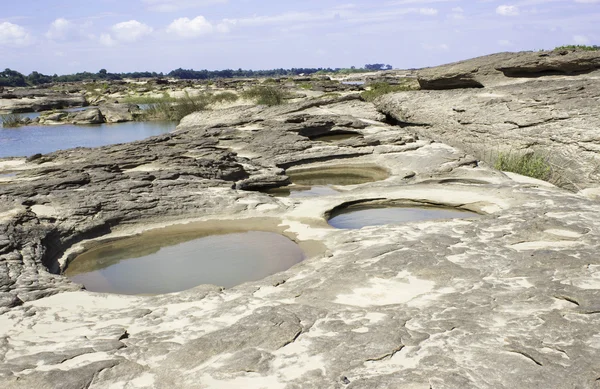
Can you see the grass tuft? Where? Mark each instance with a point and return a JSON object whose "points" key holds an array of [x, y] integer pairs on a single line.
{"points": [[265, 95], [383, 88], [526, 164], [11, 120], [175, 109]]}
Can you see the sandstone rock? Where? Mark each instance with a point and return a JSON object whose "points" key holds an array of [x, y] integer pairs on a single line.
{"points": [[56, 116], [491, 70], [89, 116], [448, 80], [24, 100], [551, 63], [556, 117], [512, 293], [117, 113]]}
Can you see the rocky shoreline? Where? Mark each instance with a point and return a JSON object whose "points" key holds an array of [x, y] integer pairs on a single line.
{"points": [[508, 299]]}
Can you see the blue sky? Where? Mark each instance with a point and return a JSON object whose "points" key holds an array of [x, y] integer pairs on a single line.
{"points": [[65, 36]]}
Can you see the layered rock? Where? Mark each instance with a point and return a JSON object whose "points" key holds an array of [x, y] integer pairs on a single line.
{"points": [[491, 70], [556, 116], [500, 301], [23, 100]]}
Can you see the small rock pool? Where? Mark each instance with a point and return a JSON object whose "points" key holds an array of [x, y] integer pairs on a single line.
{"points": [[322, 181], [165, 262], [355, 217]]}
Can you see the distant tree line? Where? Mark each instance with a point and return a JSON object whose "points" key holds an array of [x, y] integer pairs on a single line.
{"points": [[13, 78]]}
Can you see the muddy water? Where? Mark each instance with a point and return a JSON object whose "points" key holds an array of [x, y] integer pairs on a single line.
{"points": [[164, 263], [363, 216], [321, 181]]}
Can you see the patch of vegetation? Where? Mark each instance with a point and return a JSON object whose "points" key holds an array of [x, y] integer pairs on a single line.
{"points": [[148, 99], [577, 47], [526, 164], [265, 95], [228, 97], [175, 109], [383, 88], [306, 85], [10, 120]]}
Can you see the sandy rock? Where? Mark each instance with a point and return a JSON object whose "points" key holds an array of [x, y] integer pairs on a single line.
{"points": [[503, 300], [117, 113], [558, 117], [89, 116]]}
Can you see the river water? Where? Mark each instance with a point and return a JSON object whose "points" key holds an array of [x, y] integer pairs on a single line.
{"points": [[29, 140]]}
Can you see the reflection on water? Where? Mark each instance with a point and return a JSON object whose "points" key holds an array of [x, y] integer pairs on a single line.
{"points": [[355, 217], [337, 175], [147, 264], [29, 140], [321, 181]]}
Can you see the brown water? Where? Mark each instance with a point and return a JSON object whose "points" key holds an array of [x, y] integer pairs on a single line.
{"points": [[149, 264], [311, 182], [355, 217]]}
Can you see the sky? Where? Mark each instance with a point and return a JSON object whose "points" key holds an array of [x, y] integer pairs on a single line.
{"points": [[68, 36]]}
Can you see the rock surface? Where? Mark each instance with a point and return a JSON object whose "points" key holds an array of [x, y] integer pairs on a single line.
{"points": [[505, 300], [23, 100], [556, 116], [491, 70]]}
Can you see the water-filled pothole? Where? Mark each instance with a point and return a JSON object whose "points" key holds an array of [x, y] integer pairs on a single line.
{"points": [[363, 215], [320, 181], [336, 136], [175, 259]]}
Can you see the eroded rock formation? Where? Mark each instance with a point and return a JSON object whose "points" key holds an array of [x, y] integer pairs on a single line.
{"points": [[505, 300]]}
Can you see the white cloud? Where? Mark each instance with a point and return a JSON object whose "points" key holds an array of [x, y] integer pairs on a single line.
{"points": [[14, 35], [507, 10], [176, 5], [127, 32], [581, 39], [587, 1], [457, 13], [62, 29], [428, 11], [505, 42], [191, 28], [59, 29], [107, 40], [130, 31]]}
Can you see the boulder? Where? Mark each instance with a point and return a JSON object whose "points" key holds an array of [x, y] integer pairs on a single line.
{"points": [[89, 116], [117, 113], [448, 80], [562, 62]]}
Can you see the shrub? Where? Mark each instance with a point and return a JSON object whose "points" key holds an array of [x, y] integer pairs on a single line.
{"points": [[168, 108], [527, 164], [265, 95], [11, 120], [148, 100], [306, 85], [383, 88], [577, 47], [225, 96]]}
